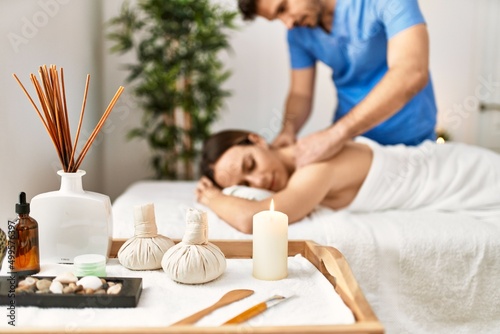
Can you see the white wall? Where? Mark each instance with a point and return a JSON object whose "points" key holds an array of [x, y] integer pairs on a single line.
{"points": [[72, 38], [452, 62], [33, 33], [488, 67], [464, 63]]}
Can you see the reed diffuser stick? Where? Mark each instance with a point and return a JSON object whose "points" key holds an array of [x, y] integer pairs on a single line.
{"points": [[82, 112], [51, 93], [44, 122], [98, 127]]}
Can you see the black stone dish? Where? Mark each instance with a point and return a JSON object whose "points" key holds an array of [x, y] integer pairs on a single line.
{"points": [[128, 296]]}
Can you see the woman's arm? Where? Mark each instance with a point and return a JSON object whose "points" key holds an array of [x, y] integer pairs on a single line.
{"points": [[305, 190], [236, 211]]}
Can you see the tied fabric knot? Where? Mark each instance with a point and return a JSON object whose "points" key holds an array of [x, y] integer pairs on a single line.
{"points": [[196, 228], [194, 260], [145, 229], [145, 221], [145, 250]]}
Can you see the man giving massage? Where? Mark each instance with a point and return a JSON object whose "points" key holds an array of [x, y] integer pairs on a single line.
{"points": [[364, 176]]}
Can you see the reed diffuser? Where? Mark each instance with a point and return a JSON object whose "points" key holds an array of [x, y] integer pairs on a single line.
{"points": [[71, 221], [52, 96]]}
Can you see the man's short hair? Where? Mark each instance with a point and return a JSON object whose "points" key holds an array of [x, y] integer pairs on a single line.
{"points": [[248, 8]]}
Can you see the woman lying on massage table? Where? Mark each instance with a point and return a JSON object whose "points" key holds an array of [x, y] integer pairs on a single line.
{"points": [[364, 176]]}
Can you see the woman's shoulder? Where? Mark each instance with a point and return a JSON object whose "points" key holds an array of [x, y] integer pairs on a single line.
{"points": [[312, 175], [354, 159]]}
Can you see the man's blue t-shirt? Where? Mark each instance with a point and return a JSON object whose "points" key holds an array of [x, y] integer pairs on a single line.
{"points": [[356, 50]]}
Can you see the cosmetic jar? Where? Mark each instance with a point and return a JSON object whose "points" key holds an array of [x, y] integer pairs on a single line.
{"points": [[90, 265]]}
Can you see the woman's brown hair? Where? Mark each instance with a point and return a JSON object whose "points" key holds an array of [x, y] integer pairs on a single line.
{"points": [[215, 146]]}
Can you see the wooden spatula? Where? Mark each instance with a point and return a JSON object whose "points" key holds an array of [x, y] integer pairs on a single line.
{"points": [[228, 298]]}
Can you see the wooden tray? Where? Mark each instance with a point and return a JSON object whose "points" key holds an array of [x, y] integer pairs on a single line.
{"points": [[329, 261]]}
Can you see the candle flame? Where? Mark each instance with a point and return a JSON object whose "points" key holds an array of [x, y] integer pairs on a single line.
{"points": [[440, 140], [271, 207]]}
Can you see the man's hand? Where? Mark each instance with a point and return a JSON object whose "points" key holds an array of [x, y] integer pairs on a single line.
{"points": [[319, 146], [285, 138], [206, 191]]}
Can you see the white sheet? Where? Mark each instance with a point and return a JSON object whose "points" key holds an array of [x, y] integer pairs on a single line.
{"points": [[421, 271]]}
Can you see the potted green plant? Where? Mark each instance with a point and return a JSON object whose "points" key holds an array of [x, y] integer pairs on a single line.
{"points": [[177, 76]]}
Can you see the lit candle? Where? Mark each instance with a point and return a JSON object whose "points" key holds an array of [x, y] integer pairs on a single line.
{"points": [[270, 245]]}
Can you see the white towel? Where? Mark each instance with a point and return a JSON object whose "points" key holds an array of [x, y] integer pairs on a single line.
{"points": [[313, 300], [448, 177]]}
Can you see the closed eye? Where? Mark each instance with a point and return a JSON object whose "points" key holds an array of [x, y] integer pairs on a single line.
{"points": [[251, 166], [248, 164], [281, 9]]}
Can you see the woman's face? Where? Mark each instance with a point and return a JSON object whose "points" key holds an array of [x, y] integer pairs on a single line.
{"points": [[251, 165]]}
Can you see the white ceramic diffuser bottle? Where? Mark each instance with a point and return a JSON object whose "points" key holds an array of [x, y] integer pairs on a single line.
{"points": [[72, 221]]}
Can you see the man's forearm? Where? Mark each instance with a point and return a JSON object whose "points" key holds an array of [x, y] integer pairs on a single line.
{"points": [[297, 111]]}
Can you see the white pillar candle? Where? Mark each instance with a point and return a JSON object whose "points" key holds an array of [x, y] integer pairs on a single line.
{"points": [[270, 245]]}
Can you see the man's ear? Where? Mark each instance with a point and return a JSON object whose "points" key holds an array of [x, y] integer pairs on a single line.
{"points": [[257, 140]]}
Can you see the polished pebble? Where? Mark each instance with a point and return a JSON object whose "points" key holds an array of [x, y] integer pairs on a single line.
{"points": [[115, 289], [66, 278], [90, 282], [56, 287], [87, 285], [43, 284], [68, 290], [27, 282]]}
